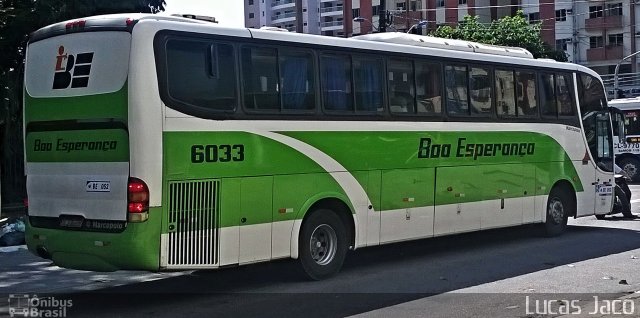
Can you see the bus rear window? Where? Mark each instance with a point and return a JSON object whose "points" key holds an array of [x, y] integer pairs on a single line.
{"points": [[202, 74]]}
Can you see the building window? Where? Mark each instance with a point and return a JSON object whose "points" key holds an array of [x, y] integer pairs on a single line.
{"points": [[356, 12], [250, 2], [304, 24], [615, 39], [304, 10], [376, 10], [595, 12], [561, 15], [534, 17], [462, 2], [263, 13], [400, 6], [439, 3], [595, 42], [414, 6], [251, 15], [614, 9], [561, 44]]}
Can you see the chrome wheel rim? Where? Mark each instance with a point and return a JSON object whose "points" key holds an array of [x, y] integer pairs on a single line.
{"points": [[556, 210], [323, 244]]}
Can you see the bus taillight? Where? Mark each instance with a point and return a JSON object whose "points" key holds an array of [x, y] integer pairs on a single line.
{"points": [[137, 200]]}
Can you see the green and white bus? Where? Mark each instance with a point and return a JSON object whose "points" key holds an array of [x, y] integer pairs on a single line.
{"points": [[162, 143]]}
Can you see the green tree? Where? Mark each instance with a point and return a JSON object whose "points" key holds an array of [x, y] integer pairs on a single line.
{"points": [[507, 31], [18, 18]]}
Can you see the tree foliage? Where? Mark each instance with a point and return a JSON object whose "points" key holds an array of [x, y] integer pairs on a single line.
{"points": [[18, 18], [507, 31]]}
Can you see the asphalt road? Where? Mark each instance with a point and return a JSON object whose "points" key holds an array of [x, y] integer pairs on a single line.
{"points": [[483, 274]]}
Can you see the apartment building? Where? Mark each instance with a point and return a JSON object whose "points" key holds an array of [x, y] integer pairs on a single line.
{"points": [[597, 34]]}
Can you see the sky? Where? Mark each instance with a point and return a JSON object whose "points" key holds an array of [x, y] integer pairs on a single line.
{"points": [[227, 12]]}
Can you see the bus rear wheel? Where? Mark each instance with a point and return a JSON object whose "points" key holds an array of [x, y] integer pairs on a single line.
{"points": [[631, 167], [323, 244], [559, 207]]}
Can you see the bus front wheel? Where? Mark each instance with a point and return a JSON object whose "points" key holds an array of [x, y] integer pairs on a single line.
{"points": [[323, 244], [559, 207]]}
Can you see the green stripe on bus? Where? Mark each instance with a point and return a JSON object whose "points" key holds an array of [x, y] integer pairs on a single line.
{"points": [[279, 182], [99, 106]]}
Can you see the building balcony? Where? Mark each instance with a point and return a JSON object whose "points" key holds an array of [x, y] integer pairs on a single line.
{"points": [[282, 4], [285, 17], [331, 11], [608, 22], [331, 26], [605, 53]]}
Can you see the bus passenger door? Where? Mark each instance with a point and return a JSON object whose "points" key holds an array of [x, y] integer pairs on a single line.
{"points": [[604, 163], [597, 129]]}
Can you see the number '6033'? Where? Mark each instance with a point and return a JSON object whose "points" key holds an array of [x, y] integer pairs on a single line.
{"points": [[217, 153]]}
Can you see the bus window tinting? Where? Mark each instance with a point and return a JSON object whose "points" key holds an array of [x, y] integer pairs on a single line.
{"points": [[297, 80], [456, 84], [368, 77], [480, 90], [260, 79], [505, 93], [401, 86], [201, 74], [335, 72], [526, 94], [547, 94], [564, 90], [428, 88]]}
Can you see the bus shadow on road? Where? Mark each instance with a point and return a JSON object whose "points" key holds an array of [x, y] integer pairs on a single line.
{"points": [[371, 278]]}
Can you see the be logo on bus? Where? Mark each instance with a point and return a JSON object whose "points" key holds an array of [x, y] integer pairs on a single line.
{"points": [[72, 70]]}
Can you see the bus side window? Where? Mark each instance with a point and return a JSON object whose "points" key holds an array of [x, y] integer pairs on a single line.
{"points": [[401, 86], [505, 93], [548, 95], [564, 89], [526, 98], [335, 74], [428, 88], [260, 79], [201, 74], [297, 80], [480, 91], [456, 81], [368, 74]]}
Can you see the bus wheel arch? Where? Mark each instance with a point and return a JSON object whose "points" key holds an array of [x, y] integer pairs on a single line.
{"points": [[560, 205], [330, 217]]}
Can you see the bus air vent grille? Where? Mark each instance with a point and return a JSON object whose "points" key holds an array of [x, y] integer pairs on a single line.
{"points": [[193, 223]]}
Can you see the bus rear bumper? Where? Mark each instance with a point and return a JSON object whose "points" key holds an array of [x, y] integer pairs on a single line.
{"points": [[136, 248]]}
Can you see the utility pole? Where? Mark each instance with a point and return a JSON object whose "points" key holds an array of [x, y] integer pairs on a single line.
{"points": [[382, 19], [406, 14]]}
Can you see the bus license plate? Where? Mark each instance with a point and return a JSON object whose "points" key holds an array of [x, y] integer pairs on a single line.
{"points": [[98, 186]]}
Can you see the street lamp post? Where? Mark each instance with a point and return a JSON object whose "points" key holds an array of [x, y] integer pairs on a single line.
{"points": [[615, 76]]}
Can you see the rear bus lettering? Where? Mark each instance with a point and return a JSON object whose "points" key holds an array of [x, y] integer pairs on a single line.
{"points": [[69, 146]]}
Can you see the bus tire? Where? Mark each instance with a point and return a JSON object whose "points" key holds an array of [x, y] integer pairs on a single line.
{"points": [[559, 207], [631, 167], [323, 244], [601, 216]]}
